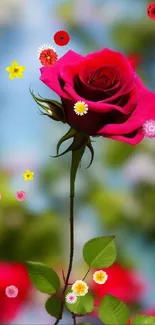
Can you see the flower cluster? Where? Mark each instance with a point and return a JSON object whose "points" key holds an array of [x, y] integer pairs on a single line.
{"points": [[80, 288]]}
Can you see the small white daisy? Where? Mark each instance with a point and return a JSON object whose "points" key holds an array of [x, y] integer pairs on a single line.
{"points": [[100, 277], [71, 298], [45, 47], [80, 288], [80, 108], [11, 291], [149, 128]]}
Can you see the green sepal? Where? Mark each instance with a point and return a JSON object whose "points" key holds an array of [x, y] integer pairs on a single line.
{"points": [[90, 147], [67, 136], [79, 140], [53, 109]]}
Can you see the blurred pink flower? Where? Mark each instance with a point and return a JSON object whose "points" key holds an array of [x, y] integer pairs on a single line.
{"points": [[20, 196], [149, 128], [0, 196]]}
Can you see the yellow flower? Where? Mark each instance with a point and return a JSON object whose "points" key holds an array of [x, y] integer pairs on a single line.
{"points": [[81, 108], [80, 288], [28, 176], [15, 70], [100, 277]]}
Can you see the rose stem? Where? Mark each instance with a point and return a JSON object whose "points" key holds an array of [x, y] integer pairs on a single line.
{"points": [[76, 158], [71, 252]]}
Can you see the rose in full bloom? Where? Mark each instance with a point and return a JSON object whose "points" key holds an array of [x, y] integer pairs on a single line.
{"points": [[122, 283], [12, 274], [118, 102]]}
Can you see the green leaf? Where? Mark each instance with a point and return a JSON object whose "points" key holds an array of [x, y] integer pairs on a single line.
{"points": [[113, 311], [53, 306], [83, 306], [43, 277], [100, 252], [143, 320]]}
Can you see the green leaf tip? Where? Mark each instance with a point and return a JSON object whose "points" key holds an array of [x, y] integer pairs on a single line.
{"points": [[100, 252]]}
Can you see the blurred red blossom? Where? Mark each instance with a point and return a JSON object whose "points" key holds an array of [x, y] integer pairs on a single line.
{"points": [[147, 312], [12, 274], [151, 10], [122, 283], [134, 59]]}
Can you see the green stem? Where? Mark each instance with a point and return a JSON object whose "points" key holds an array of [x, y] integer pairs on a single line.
{"points": [[86, 275], [76, 158], [71, 255]]}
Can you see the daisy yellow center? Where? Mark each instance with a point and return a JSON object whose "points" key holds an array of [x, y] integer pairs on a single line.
{"points": [[80, 288], [48, 57], [80, 108], [11, 290], [100, 277]]}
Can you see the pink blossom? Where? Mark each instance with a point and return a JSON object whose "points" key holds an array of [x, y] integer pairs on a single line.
{"points": [[11, 291], [149, 128], [20, 195]]}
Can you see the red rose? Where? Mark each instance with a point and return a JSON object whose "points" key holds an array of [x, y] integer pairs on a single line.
{"points": [[151, 10], [121, 283], [12, 274], [118, 103]]}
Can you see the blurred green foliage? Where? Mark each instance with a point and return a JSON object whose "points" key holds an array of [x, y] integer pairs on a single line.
{"points": [[23, 234]]}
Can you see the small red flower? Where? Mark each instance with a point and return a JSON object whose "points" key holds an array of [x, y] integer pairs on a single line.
{"points": [[48, 57], [61, 38], [151, 10]]}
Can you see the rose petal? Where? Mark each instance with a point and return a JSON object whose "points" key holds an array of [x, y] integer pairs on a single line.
{"points": [[144, 111], [135, 140], [96, 60], [50, 75], [99, 107]]}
